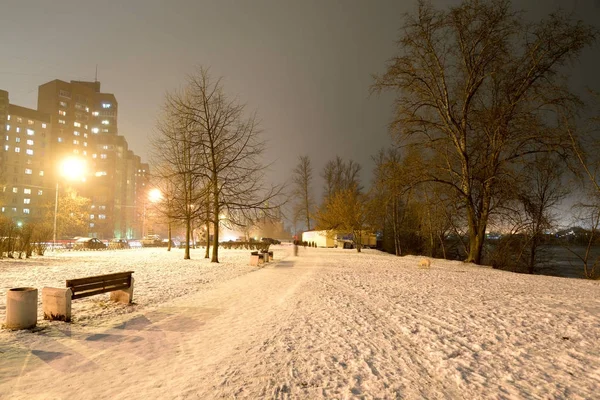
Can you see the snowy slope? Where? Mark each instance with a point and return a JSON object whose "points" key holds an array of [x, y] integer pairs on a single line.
{"points": [[327, 324]]}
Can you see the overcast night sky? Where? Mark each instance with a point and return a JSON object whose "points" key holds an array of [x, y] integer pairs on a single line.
{"points": [[305, 66]]}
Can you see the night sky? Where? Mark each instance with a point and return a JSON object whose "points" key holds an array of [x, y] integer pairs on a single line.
{"points": [[304, 66]]}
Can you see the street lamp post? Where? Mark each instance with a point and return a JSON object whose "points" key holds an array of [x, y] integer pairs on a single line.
{"points": [[154, 195], [55, 212], [70, 168]]}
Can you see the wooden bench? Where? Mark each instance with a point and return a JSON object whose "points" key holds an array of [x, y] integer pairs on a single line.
{"points": [[56, 302], [268, 252], [257, 258], [120, 282]]}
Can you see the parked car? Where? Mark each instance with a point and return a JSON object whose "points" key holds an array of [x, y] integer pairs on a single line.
{"points": [[118, 244], [151, 241], [165, 243], [88, 244], [270, 240]]}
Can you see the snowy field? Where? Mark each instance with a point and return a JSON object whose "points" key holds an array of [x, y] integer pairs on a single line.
{"points": [[327, 324]]}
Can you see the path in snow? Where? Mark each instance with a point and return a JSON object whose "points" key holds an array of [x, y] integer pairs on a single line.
{"points": [[330, 324]]}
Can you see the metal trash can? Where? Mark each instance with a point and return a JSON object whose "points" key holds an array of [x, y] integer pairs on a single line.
{"points": [[21, 308]]}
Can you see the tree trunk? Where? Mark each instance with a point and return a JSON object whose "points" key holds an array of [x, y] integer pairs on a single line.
{"points": [[207, 253], [188, 225], [216, 210], [169, 245]]}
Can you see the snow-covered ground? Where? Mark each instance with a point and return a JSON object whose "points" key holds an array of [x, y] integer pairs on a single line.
{"points": [[326, 324]]}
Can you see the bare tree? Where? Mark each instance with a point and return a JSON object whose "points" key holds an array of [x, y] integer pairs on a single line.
{"points": [[178, 160], [226, 149], [544, 190], [477, 91], [340, 175], [302, 179]]}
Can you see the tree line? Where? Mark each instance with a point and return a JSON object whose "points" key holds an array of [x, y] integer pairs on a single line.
{"points": [[487, 136]]}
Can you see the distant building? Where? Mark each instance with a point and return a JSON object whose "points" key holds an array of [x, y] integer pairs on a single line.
{"points": [[24, 162], [73, 119]]}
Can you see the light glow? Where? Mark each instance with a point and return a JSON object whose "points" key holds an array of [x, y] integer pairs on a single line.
{"points": [[154, 195], [73, 168]]}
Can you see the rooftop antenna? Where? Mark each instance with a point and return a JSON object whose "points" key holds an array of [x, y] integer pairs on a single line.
{"points": [[96, 76]]}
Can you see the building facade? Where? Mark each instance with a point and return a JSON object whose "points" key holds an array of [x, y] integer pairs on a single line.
{"points": [[79, 121], [26, 193]]}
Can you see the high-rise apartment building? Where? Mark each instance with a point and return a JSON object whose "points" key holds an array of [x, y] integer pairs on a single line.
{"points": [[25, 167], [79, 121]]}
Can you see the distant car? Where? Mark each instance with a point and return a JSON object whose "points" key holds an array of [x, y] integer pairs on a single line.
{"points": [[118, 244], [88, 244], [270, 240], [165, 243]]}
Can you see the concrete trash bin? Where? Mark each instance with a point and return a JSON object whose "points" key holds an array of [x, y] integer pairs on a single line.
{"points": [[21, 308]]}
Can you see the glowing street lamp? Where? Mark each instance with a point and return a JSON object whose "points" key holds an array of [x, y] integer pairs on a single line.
{"points": [[72, 169], [154, 196]]}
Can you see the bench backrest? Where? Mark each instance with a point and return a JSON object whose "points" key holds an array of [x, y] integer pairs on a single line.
{"points": [[84, 287]]}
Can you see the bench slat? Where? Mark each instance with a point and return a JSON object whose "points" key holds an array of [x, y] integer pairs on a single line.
{"points": [[107, 283], [80, 295], [98, 278]]}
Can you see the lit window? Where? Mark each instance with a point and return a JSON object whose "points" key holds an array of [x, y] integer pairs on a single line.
{"points": [[84, 144], [43, 125], [18, 140], [76, 133], [85, 152], [30, 142], [41, 173], [18, 129], [105, 105], [3, 209], [8, 117], [6, 147], [29, 122], [104, 130], [59, 140], [63, 103], [26, 211], [62, 112], [85, 135], [30, 132], [94, 155], [91, 216], [27, 191], [19, 119], [85, 126], [77, 124], [26, 201], [102, 207], [15, 190], [14, 209], [17, 149], [105, 147], [95, 130], [75, 141], [95, 113], [105, 122], [101, 173], [29, 152], [101, 216], [91, 225], [7, 138], [62, 121], [87, 109], [7, 127], [103, 156], [28, 171], [40, 192]]}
